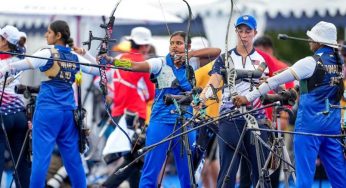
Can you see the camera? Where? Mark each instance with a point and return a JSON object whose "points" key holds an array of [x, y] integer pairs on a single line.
{"points": [[58, 178], [21, 89], [26, 90], [285, 97]]}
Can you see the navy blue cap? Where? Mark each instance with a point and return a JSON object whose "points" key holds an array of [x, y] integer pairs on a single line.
{"points": [[247, 20]]}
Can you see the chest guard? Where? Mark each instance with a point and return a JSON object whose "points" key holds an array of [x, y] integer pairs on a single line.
{"points": [[316, 79], [165, 78], [327, 75], [58, 70]]}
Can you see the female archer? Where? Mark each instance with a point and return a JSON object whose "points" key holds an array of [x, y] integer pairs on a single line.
{"points": [[169, 72], [53, 120]]}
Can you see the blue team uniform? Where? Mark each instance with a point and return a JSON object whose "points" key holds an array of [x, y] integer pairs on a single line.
{"points": [[311, 120], [161, 125], [54, 123]]}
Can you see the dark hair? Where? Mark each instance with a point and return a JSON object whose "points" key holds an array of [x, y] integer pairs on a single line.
{"points": [[62, 27], [182, 34], [11, 46], [341, 85], [134, 45], [21, 41], [264, 41]]}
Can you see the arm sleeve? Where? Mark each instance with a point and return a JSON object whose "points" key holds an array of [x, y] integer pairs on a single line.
{"points": [[88, 69], [155, 65], [270, 84], [302, 69], [90, 57], [30, 62]]}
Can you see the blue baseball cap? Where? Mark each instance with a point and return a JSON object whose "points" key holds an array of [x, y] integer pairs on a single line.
{"points": [[247, 20]]}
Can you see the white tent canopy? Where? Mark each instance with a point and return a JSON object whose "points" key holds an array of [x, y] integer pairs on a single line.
{"points": [[297, 8], [128, 10], [269, 7], [81, 15], [215, 13]]}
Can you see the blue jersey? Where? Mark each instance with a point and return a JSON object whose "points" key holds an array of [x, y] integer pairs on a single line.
{"points": [[57, 92], [160, 111], [312, 103]]}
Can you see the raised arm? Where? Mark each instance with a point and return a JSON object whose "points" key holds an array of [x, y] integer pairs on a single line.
{"points": [[302, 69], [205, 55], [26, 63], [128, 64], [88, 69]]}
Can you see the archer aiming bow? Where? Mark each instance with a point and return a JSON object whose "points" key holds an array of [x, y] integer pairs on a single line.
{"points": [[229, 79]]}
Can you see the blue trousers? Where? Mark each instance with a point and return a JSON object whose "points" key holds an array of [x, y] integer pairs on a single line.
{"points": [[306, 149], [50, 127], [16, 126], [155, 158], [229, 132]]}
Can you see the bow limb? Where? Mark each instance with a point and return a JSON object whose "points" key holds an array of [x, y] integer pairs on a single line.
{"points": [[110, 24], [189, 72], [251, 121], [227, 32], [103, 77], [104, 49], [229, 64]]}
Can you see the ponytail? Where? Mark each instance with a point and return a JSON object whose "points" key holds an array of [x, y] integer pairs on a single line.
{"points": [[340, 84], [70, 42]]}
